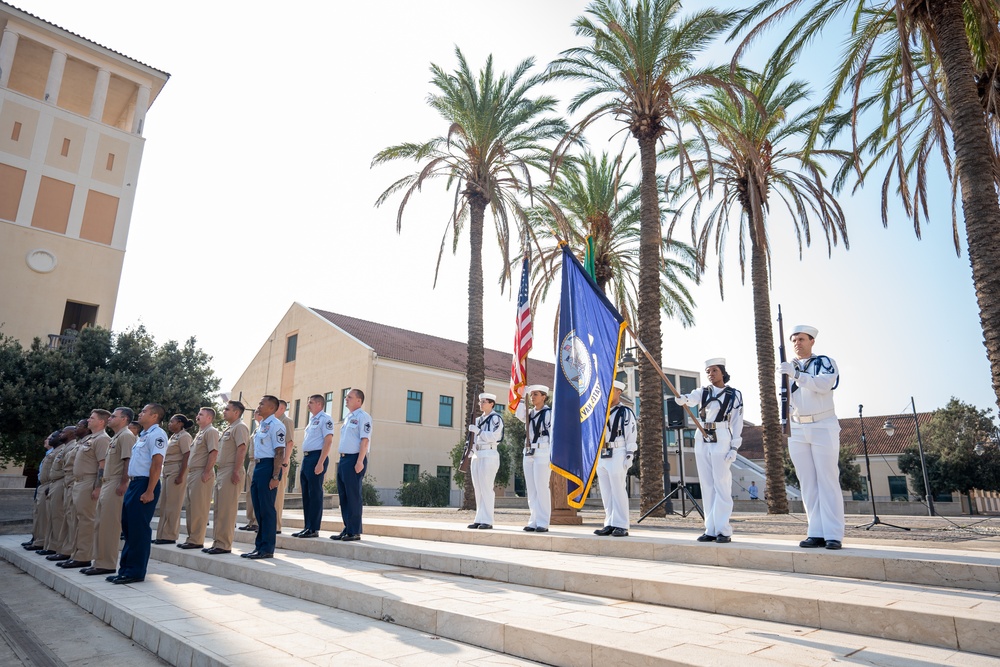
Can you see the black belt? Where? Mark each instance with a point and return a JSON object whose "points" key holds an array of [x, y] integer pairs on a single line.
{"points": [[267, 459]]}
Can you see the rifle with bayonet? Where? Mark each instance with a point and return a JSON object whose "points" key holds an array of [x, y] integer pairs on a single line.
{"points": [[786, 426], [470, 443]]}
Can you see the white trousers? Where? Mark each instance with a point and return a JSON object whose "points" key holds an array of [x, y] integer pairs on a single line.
{"points": [[484, 467], [611, 476], [815, 452], [536, 479], [716, 479]]}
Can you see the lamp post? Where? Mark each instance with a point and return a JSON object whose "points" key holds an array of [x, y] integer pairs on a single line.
{"points": [[890, 429]]}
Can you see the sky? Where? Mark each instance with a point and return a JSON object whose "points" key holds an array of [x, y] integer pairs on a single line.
{"points": [[255, 191]]}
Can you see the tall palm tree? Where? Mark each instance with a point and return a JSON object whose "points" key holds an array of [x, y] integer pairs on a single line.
{"points": [[954, 31], [758, 154], [638, 67], [496, 132]]}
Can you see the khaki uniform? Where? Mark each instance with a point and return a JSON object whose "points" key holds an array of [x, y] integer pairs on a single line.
{"points": [[279, 498], [85, 466], [173, 490], [227, 494], [199, 493], [41, 525], [54, 500], [251, 518], [69, 511], [108, 530]]}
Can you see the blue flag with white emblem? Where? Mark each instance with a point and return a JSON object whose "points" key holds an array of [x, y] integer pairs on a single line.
{"points": [[590, 335]]}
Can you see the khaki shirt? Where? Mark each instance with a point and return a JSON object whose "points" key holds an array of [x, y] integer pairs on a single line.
{"points": [[69, 458], [56, 469], [206, 442], [235, 435], [119, 450], [178, 445], [45, 467], [89, 453]]}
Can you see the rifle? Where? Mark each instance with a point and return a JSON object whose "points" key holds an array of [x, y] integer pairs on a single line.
{"points": [[470, 443], [785, 424]]}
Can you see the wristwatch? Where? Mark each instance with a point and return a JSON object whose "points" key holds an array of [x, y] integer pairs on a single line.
{"points": [[276, 477]]}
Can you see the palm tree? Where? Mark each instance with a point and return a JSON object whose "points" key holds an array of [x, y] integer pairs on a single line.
{"points": [[953, 30], [495, 134], [758, 154], [638, 67]]}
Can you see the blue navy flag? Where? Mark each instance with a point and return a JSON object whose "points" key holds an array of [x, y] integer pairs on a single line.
{"points": [[590, 335]]}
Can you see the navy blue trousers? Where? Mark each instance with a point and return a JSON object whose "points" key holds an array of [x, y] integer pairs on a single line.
{"points": [[349, 490], [311, 486], [136, 517], [262, 497]]}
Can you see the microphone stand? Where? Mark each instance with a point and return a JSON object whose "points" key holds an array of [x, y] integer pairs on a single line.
{"points": [[871, 488]]}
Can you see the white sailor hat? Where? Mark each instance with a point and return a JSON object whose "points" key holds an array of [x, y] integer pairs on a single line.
{"points": [[619, 385], [488, 397], [806, 329], [538, 387], [717, 361]]}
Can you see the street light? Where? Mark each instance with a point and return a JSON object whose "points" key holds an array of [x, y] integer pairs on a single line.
{"points": [[890, 429]]}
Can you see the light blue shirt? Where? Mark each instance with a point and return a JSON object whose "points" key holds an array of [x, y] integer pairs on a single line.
{"points": [[357, 426], [320, 425], [152, 442], [270, 436]]}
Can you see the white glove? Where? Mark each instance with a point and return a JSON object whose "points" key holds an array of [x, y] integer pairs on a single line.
{"points": [[628, 460], [473, 428], [786, 368], [730, 456], [681, 400]]}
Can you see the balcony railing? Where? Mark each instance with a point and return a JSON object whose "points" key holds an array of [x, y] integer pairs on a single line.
{"points": [[59, 342]]}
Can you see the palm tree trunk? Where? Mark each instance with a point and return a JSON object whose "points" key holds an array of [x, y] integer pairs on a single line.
{"points": [[774, 440], [975, 171], [650, 385], [475, 370]]}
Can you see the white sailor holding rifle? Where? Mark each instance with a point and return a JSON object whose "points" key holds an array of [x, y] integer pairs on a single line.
{"points": [[485, 460], [620, 444], [536, 458]]}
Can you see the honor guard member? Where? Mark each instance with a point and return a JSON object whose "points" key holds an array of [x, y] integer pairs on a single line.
{"points": [[536, 458], [40, 524], [200, 479], [355, 443], [721, 410], [315, 458], [616, 458], [251, 523], [229, 481], [90, 458], [485, 461], [279, 498], [143, 492], [54, 499], [814, 444], [175, 467], [114, 476], [269, 448], [69, 508]]}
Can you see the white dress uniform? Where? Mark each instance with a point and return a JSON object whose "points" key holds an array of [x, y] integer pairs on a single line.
{"points": [[814, 444], [612, 466], [485, 464], [721, 411], [536, 462]]}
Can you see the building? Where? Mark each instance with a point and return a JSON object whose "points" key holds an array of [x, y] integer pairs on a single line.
{"points": [[71, 120]]}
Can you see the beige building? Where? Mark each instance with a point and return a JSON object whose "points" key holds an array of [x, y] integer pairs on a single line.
{"points": [[71, 120]]}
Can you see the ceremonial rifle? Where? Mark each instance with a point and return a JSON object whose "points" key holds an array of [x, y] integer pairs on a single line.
{"points": [[470, 443], [785, 424]]}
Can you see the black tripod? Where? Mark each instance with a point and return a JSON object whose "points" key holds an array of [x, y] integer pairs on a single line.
{"points": [[871, 489], [681, 489]]}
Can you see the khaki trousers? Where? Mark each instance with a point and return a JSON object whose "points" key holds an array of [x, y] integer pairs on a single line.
{"points": [[57, 517], [86, 513], [108, 529], [199, 500], [41, 527], [227, 501], [69, 537], [251, 518], [279, 499], [172, 501]]}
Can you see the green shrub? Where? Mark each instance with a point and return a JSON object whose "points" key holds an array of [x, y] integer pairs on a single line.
{"points": [[369, 494], [426, 491]]}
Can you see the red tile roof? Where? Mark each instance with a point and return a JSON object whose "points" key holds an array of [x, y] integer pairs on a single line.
{"points": [[425, 350]]}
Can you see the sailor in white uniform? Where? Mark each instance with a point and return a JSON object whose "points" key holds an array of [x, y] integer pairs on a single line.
{"points": [[536, 458], [814, 444], [616, 458], [485, 460], [721, 410]]}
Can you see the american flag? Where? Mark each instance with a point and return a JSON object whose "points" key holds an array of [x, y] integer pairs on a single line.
{"points": [[522, 342]]}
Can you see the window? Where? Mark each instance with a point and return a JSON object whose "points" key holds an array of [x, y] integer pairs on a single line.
{"points": [[291, 345], [897, 487], [446, 405], [499, 409], [65, 148], [110, 166], [343, 403], [414, 401], [863, 494], [688, 384], [328, 406], [444, 474], [298, 404], [16, 134], [411, 473]]}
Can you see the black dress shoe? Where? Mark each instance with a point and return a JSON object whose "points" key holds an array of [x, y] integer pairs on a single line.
{"points": [[28, 543], [257, 556], [57, 557], [528, 529], [350, 538], [486, 526], [45, 552], [812, 543], [833, 544], [92, 571], [541, 530], [607, 530], [111, 577], [188, 545], [32, 548], [723, 539], [338, 536], [215, 551], [252, 528], [706, 538], [126, 580], [473, 526], [619, 532], [73, 564], [307, 534], [296, 534], [164, 541], [248, 554]]}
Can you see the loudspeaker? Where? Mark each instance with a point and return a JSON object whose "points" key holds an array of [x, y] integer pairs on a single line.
{"points": [[675, 414]]}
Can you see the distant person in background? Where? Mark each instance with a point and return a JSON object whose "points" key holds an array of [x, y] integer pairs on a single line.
{"points": [[175, 467], [753, 491]]}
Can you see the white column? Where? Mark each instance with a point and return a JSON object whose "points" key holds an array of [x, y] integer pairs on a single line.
{"points": [[55, 77], [100, 94], [141, 106], [8, 44]]}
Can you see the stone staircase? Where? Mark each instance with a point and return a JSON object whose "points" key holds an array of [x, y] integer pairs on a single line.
{"points": [[423, 592]]}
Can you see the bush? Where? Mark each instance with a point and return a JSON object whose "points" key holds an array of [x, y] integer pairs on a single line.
{"points": [[369, 494], [426, 491]]}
